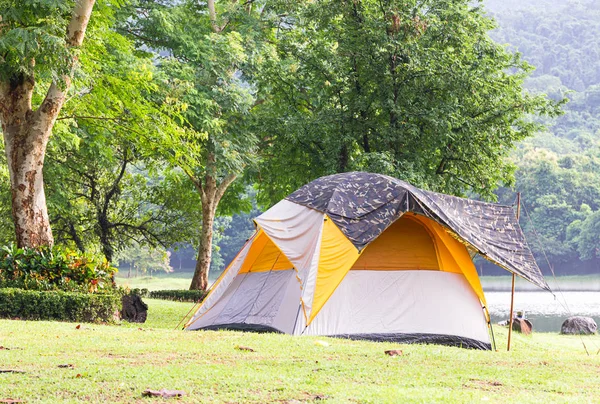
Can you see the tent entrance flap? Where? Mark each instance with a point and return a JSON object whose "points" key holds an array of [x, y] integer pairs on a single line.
{"points": [[415, 242]]}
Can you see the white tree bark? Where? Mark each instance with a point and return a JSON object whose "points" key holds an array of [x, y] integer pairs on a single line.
{"points": [[26, 133]]}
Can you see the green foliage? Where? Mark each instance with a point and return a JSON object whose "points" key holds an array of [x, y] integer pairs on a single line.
{"points": [[108, 187], [32, 38], [58, 305], [417, 90], [584, 236], [53, 268], [178, 295], [561, 41], [203, 73], [139, 292]]}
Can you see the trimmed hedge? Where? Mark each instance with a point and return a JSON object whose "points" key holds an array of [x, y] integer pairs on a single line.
{"points": [[179, 295], [58, 305]]}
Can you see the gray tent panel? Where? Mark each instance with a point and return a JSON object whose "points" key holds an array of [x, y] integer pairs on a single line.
{"points": [[256, 298]]}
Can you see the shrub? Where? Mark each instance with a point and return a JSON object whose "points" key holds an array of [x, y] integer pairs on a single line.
{"points": [[59, 305], [179, 295], [138, 292], [53, 268]]}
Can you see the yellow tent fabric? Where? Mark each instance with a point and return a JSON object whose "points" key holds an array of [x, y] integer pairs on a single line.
{"points": [[264, 255], [336, 257], [406, 244], [454, 256]]}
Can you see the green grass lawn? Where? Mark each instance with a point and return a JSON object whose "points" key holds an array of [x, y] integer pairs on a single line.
{"points": [[115, 363], [157, 282]]}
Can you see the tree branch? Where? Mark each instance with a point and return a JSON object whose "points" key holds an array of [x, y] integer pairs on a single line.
{"points": [[197, 182], [53, 102], [115, 184], [223, 186], [100, 118], [212, 14]]}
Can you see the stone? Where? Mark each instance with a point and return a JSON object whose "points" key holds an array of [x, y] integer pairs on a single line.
{"points": [[522, 325], [134, 309], [579, 325], [394, 352], [164, 393]]}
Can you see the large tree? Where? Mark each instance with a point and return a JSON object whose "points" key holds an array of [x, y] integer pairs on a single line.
{"points": [[205, 50], [39, 43], [413, 89], [108, 188]]}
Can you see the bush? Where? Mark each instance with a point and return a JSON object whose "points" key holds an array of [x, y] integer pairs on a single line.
{"points": [[59, 305], [179, 295], [137, 292], [53, 268]]}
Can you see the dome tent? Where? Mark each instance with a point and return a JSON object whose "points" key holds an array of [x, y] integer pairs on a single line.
{"points": [[364, 255]]}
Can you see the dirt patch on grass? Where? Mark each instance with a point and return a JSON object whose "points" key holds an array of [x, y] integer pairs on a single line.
{"points": [[488, 385]]}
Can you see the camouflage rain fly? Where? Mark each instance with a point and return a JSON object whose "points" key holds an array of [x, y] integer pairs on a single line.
{"points": [[363, 205]]}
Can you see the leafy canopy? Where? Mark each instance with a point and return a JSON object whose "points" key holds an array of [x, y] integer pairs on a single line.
{"points": [[413, 89]]}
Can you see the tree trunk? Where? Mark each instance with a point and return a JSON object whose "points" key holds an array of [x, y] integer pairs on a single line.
{"points": [[26, 133], [210, 195], [200, 279]]}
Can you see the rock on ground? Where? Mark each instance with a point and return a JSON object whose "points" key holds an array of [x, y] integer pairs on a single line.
{"points": [[522, 325], [579, 325], [134, 309]]}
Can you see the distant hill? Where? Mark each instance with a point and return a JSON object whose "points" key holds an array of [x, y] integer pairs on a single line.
{"points": [[558, 172]]}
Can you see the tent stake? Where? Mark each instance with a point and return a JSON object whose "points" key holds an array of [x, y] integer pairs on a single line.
{"points": [[512, 290]]}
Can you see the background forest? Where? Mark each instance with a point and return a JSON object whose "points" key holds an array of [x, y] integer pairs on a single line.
{"points": [[185, 121], [558, 170]]}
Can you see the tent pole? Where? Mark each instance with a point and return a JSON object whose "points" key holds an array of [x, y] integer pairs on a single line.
{"points": [[512, 290], [512, 303]]}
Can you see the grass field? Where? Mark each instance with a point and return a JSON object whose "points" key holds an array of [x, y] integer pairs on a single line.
{"points": [[157, 282], [115, 363]]}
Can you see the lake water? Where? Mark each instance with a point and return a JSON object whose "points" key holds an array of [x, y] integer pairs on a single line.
{"points": [[546, 311]]}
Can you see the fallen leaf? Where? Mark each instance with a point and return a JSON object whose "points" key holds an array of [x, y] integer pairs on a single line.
{"points": [[164, 393], [11, 371], [68, 365], [78, 375], [244, 348], [78, 326], [394, 352]]}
